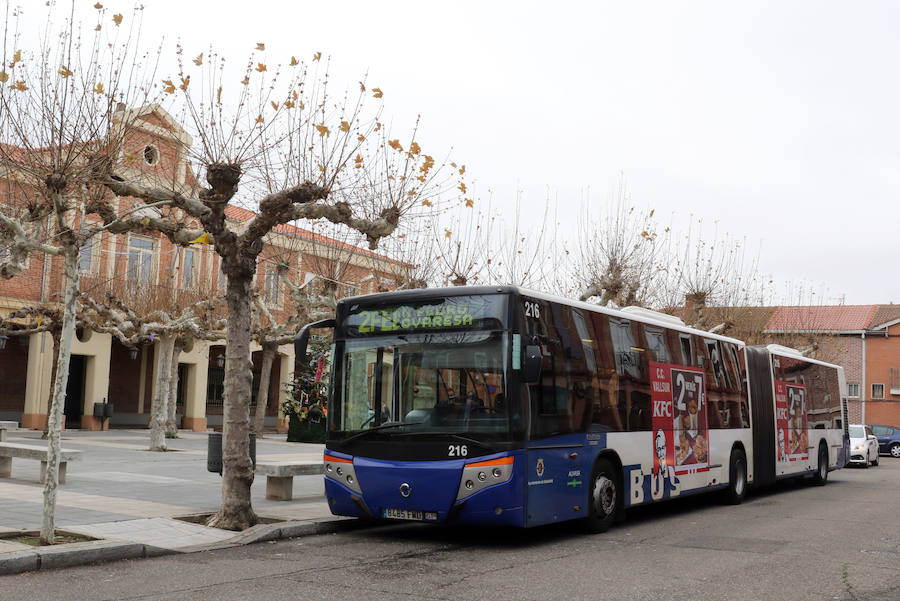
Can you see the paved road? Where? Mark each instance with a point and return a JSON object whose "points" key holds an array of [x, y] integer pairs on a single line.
{"points": [[797, 542]]}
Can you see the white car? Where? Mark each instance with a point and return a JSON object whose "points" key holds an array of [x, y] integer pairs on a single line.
{"points": [[863, 445]]}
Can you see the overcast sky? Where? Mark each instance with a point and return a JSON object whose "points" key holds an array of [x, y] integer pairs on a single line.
{"points": [[776, 121]]}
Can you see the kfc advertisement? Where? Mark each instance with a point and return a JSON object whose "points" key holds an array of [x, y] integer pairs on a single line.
{"points": [[680, 426], [791, 422]]}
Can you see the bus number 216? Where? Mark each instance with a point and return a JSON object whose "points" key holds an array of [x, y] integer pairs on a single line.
{"points": [[457, 450]]}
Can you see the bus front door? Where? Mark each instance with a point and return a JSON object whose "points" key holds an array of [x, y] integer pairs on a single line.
{"points": [[557, 483]]}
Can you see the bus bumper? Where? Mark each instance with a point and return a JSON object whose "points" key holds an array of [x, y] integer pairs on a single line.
{"points": [[432, 491]]}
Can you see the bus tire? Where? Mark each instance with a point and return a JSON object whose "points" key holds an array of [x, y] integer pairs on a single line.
{"points": [[737, 478], [821, 475], [603, 497]]}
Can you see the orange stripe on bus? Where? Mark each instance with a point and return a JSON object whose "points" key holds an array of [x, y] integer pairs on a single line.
{"points": [[337, 459], [501, 461]]}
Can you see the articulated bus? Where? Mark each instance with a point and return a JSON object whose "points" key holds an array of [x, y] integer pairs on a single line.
{"points": [[499, 405]]}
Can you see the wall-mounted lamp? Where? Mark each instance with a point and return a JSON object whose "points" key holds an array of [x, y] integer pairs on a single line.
{"points": [[220, 360], [133, 353], [3, 339]]}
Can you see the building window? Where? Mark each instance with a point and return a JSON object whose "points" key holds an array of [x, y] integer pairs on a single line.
{"points": [[140, 259], [877, 391], [272, 287], [151, 154], [85, 257], [853, 390], [895, 380], [221, 281], [188, 264], [215, 386]]}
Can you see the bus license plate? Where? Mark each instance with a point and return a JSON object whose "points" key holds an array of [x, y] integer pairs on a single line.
{"points": [[410, 514]]}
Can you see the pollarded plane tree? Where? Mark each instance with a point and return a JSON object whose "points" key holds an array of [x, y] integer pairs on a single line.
{"points": [[720, 284], [62, 124], [283, 145], [177, 303], [462, 238], [526, 255], [170, 332], [619, 259]]}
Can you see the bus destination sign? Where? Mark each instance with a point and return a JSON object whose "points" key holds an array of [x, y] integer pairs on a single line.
{"points": [[464, 312]]}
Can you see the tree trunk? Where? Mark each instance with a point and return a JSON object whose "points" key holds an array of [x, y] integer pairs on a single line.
{"points": [[171, 426], [236, 512], [54, 336], [165, 348], [262, 398], [48, 527]]}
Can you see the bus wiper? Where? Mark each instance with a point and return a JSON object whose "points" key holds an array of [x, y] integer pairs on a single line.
{"points": [[382, 427], [454, 435]]}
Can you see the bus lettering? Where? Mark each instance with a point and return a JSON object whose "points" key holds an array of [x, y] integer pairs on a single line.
{"points": [[662, 409]]}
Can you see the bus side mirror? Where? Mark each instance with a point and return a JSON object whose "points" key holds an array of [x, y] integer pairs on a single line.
{"points": [[302, 339], [531, 366]]}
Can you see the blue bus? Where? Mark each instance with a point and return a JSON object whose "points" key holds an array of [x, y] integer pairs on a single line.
{"points": [[499, 405]]}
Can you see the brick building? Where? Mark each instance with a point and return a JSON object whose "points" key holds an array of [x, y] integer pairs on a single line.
{"points": [[865, 340], [145, 264]]}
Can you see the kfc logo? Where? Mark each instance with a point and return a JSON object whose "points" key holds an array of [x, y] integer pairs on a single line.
{"points": [[540, 467]]}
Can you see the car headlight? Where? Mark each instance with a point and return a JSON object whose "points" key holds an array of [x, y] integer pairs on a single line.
{"points": [[859, 447]]}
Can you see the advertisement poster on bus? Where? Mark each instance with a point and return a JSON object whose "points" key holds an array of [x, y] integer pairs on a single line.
{"points": [[791, 421], [680, 424]]}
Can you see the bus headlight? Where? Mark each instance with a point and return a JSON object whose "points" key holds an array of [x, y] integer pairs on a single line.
{"points": [[475, 475], [341, 470]]}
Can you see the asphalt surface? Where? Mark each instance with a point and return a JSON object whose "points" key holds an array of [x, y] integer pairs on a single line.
{"points": [[794, 542]]}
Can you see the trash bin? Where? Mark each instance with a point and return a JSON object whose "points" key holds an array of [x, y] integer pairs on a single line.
{"points": [[214, 452]]}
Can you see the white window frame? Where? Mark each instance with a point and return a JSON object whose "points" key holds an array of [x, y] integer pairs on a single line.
{"points": [[152, 251], [189, 276], [272, 287], [656, 343], [93, 246], [850, 390], [880, 396]]}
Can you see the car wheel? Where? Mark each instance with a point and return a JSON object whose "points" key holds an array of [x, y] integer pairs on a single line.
{"points": [[821, 475], [603, 497], [875, 461], [895, 450], [867, 461], [737, 478]]}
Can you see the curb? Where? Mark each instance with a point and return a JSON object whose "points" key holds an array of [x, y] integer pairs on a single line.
{"points": [[279, 531], [101, 551], [70, 554]]}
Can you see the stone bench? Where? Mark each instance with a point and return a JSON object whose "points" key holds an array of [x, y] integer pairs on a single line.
{"points": [[4, 426], [11, 450], [280, 476]]}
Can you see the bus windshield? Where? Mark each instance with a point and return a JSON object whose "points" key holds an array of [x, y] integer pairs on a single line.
{"points": [[448, 382]]}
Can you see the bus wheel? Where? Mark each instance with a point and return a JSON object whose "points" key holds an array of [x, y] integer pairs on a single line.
{"points": [[737, 478], [821, 475], [603, 497]]}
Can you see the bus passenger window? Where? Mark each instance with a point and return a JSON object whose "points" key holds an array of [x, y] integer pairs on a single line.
{"points": [[605, 415], [639, 415]]}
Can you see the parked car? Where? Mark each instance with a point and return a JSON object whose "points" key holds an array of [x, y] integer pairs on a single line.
{"points": [[863, 445], [888, 439]]}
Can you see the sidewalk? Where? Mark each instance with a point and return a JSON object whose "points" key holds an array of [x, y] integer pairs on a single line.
{"points": [[127, 496]]}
